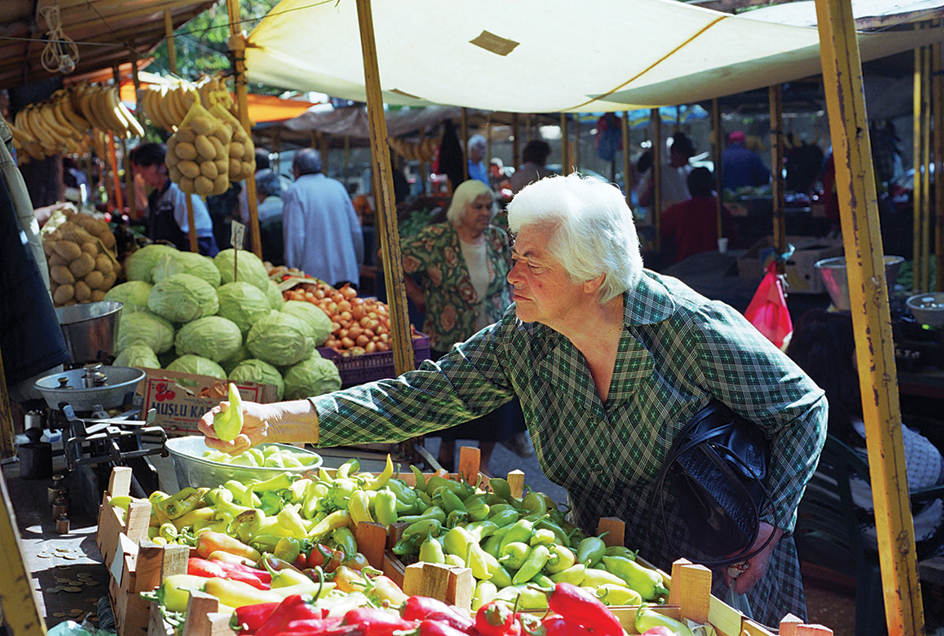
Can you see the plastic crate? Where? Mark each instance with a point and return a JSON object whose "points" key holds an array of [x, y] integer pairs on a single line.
{"points": [[367, 367]]}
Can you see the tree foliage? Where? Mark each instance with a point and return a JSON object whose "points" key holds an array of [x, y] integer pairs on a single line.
{"points": [[202, 44]]}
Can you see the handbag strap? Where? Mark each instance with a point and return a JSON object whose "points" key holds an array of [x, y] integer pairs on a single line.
{"points": [[681, 445]]}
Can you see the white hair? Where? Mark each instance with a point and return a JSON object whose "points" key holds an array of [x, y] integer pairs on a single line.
{"points": [[593, 230], [467, 192], [478, 141]]}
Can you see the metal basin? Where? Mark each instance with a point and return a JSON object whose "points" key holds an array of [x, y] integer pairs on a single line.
{"points": [[90, 330], [833, 272], [118, 382]]}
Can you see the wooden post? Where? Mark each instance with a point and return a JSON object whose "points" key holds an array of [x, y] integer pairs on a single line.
{"points": [[515, 143], [918, 190], [937, 91], [171, 46], [925, 168], [627, 167], [576, 143], [117, 200], [125, 161], [488, 143], [657, 147], [565, 155], [776, 165], [403, 358], [192, 226], [347, 155], [237, 48], [465, 145], [423, 161], [868, 293], [717, 139]]}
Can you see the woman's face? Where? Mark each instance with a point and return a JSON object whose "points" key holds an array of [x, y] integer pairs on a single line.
{"points": [[543, 291], [477, 215]]}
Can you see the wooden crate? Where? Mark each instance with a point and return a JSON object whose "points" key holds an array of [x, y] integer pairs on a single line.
{"points": [[111, 525]]}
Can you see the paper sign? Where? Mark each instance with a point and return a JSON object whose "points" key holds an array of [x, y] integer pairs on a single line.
{"points": [[237, 235]]}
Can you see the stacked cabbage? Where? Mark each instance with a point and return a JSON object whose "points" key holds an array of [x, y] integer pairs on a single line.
{"points": [[221, 317]]}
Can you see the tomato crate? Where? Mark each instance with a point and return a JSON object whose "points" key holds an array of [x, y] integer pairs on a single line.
{"points": [[367, 367]]}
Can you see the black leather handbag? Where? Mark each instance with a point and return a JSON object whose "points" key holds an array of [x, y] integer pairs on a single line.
{"points": [[716, 469]]}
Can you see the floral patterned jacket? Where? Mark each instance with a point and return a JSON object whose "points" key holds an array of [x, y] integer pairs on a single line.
{"points": [[451, 302]]}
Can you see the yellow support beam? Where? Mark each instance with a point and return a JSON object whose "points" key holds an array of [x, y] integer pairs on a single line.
{"points": [[868, 293], [403, 359]]}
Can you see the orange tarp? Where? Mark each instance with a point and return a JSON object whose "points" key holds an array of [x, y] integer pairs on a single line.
{"points": [[262, 108]]}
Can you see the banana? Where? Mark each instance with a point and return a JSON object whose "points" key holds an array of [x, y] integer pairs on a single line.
{"points": [[116, 112], [59, 116], [107, 110], [87, 103], [51, 115], [22, 125], [134, 126], [166, 108], [47, 139], [67, 106]]}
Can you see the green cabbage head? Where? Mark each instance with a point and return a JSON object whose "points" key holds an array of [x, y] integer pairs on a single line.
{"points": [[280, 339], [312, 376], [233, 361], [312, 316], [139, 264], [213, 337], [198, 365], [186, 263], [133, 295], [182, 298], [242, 303], [141, 356], [144, 328], [274, 294], [254, 370], [251, 268]]}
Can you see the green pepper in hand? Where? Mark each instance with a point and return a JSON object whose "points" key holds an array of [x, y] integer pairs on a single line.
{"points": [[227, 424]]}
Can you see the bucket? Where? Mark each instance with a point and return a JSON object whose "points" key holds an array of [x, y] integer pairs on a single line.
{"points": [[833, 272], [90, 330]]}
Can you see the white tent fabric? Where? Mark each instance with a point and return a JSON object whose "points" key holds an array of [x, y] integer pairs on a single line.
{"points": [[540, 55]]}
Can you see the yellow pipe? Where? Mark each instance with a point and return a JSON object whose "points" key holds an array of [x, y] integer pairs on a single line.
{"points": [[627, 167], [926, 168], [20, 609], [868, 293], [403, 359], [917, 189], [169, 34]]}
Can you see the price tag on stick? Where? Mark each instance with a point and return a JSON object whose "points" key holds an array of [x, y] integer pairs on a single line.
{"points": [[236, 237]]}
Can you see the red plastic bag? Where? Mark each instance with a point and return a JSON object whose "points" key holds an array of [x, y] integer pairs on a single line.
{"points": [[768, 309]]}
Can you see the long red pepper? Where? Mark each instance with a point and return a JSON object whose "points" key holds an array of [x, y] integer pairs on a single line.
{"points": [[558, 626], [419, 607], [322, 627], [454, 620], [233, 571], [248, 618], [580, 607], [430, 627], [292, 608], [378, 622]]}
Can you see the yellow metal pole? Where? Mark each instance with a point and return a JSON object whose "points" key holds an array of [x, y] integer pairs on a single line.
{"points": [[627, 168], [465, 144], [868, 293], [20, 608], [917, 161], [125, 161], [938, 128], [403, 359], [717, 141], [565, 155], [194, 247], [657, 148], [776, 164], [237, 48], [926, 168], [171, 47]]}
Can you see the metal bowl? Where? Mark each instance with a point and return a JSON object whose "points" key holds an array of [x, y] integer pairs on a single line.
{"points": [[193, 469], [928, 309], [833, 272], [90, 330], [70, 387]]}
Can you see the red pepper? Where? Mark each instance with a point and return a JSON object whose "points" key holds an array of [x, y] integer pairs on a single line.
{"points": [[558, 626], [248, 618], [378, 622], [496, 619], [292, 608], [454, 620], [417, 608], [232, 571], [431, 627], [580, 607], [356, 562], [316, 627], [530, 624], [324, 557]]}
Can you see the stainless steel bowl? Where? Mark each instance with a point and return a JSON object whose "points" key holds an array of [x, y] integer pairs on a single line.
{"points": [[833, 272], [71, 387], [90, 330], [193, 469], [928, 309]]}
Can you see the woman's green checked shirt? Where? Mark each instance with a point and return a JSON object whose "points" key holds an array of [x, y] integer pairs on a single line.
{"points": [[677, 351]]}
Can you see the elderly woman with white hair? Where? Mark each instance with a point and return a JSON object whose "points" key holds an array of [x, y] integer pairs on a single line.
{"points": [[609, 361], [463, 264]]}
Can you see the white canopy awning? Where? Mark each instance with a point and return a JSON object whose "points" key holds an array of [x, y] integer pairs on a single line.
{"points": [[541, 55]]}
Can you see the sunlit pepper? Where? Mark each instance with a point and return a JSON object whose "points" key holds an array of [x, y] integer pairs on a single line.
{"points": [[503, 514], [484, 592], [183, 502], [174, 592], [515, 554], [236, 572], [289, 519], [532, 565], [213, 541], [433, 512], [449, 501], [286, 576], [282, 481], [647, 618], [337, 519], [313, 494], [610, 594], [543, 537], [431, 551], [520, 531], [535, 504], [378, 482], [561, 558], [574, 575], [644, 580], [591, 550], [595, 577], [435, 482], [237, 593], [287, 549], [408, 499], [419, 479], [344, 539], [385, 507], [359, 507]]}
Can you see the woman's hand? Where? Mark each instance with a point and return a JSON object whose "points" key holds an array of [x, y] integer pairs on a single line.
{"points": [[756, 565], [257, 420]]}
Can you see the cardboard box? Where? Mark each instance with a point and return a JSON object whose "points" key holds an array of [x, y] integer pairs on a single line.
{"points": [[802, 277], [181, 399]]}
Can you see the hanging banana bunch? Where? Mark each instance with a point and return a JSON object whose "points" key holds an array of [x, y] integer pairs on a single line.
{"points": [[419, 151], [166, 105]]}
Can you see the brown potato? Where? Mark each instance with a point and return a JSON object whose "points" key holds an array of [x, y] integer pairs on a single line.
{"points": [[97, 296], [82, 265], [202, 125], [185, 151], [235, 150], [99, 227], [103, 264], [174, 173], [81, 291], [61, 274], [185, 135], [68, 250], [205, 149], [55, 259], [186, 185], [208, 169], [94, 279], [203, 186], [220, 184], [63, 294], [109, 281], [49, 247], [90, 247], [108, 239], [189, 169]]}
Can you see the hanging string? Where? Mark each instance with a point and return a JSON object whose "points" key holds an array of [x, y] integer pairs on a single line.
{"points": [[60, 54]]}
